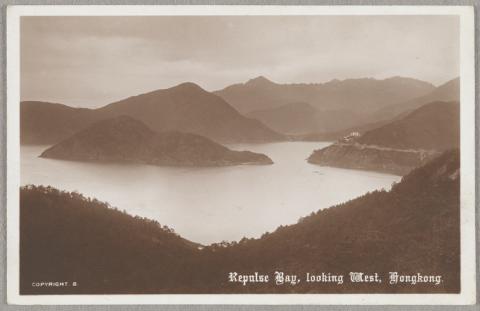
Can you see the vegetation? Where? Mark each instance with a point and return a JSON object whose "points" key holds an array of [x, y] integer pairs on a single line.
{"points": [[414, 228], [434, 126], [365, 157], [65, 236], [124, 139], [400, 145]]}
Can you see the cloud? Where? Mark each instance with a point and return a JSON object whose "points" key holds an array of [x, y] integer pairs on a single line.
{"points": [[91, 61]]}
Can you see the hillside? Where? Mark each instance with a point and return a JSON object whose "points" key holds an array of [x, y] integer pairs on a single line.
{"points": [[449, 91], [45, 123], [124, 139], [185, 108], [400, 145], [371, 158], [189, 108], [65, 236], [291, 118], [338, 134], [434, 126], [361, 96], [301, 118], [414, 228]]}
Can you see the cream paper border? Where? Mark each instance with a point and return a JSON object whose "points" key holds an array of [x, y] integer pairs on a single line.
{"points": [[467, 217]]}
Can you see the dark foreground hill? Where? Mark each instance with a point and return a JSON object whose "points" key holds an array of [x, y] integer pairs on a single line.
{"points": [[185, 108], [124, 139], [412, 229], [67, 237], [400, 145]]}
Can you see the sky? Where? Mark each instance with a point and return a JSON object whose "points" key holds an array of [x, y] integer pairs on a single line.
{"points": [[93, 61]]}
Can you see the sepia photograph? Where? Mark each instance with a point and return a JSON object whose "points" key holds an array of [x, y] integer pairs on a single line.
{"points": [[218, 153]]}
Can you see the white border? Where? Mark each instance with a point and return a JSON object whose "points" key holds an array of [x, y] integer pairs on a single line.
{"points": [[468, 292]]}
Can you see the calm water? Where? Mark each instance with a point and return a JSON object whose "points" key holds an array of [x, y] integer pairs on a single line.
{"points": [[209, 205]]}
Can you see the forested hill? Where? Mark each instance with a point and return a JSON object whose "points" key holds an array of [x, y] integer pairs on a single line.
{"points": [[398, 146], [433, 126], [65, 236], [125, 139], [414, 228]]}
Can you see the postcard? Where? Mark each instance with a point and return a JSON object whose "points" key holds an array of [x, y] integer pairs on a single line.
{"points": [[240, 155]]}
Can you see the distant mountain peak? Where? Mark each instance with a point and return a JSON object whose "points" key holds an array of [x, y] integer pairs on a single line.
{"points": [[260, 80], [187, 86]]}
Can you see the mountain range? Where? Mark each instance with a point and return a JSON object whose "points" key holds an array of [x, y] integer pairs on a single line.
{"points": [[357, 95], [306, 121], [308, 111], [189, 108], [185, 108], [396, 135], [124, 139]]}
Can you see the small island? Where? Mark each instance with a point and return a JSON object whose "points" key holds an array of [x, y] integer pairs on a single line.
{"points": [[125, 139]]}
